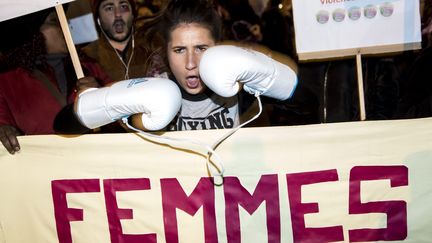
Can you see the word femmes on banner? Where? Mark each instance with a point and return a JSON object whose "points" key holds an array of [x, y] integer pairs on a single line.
{"points": [[235, 195], [335, 1]]}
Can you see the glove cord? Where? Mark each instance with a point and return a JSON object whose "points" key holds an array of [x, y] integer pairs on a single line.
{"points": [[218, 142], [228, 134], [214, 167]]}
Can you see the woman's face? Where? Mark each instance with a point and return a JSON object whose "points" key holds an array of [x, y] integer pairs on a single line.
{"points": [[185, 47]]}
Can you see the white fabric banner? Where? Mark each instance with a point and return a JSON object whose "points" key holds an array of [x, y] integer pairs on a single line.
{"points": [[345, 182], [13, 8], [333, 28]]}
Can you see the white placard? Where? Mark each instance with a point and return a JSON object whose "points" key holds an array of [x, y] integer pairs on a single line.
{"points": [[14, 8], [83, 29], [334, 28]]}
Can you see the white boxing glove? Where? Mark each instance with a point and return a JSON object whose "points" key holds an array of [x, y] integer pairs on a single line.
{"points": [[222, 68], [158, 99]]}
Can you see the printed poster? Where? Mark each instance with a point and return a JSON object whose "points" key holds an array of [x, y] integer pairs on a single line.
{"points": [[337, 28]]}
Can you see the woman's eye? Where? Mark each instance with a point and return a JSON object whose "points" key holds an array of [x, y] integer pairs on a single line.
{"points": [[201, 49], [178, 50]]}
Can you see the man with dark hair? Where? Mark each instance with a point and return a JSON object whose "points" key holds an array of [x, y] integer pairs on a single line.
{"points": [[117, 49]]}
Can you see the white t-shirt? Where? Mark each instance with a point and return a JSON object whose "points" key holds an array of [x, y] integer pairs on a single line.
{"points": [[207, 111]]}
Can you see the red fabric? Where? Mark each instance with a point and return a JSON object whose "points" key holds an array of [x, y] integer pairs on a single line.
{"points": [[26, 103]]}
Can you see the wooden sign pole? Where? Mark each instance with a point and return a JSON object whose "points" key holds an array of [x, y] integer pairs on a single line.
{"points": [[360, 87], [69, 41]]}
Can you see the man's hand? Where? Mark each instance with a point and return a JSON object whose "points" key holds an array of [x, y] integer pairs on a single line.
{"points": [[8, 138], [85, 83]]}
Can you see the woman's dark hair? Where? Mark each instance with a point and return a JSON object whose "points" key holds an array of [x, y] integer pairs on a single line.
{"points": [[25, 45], [26, 56], [176, 12], [156, 32], [190, 11]]}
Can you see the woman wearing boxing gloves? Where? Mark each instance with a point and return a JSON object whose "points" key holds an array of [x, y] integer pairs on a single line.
{"points": [[209, 76]]}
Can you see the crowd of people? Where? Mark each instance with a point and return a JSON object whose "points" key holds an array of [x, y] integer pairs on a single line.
{"points": [[146, 46]]}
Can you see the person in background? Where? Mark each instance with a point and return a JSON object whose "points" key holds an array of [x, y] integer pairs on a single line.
{"points": [[37, 77], [239, 21], [415, 99], [267, 32], [144, 11], [278, 27], [120, 53]]}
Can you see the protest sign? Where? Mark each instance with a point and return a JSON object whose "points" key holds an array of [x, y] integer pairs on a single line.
{"points": [[345, 182], [338, 28]]}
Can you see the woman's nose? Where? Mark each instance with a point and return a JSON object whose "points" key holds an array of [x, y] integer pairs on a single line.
{"points": [[192, 61]]}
